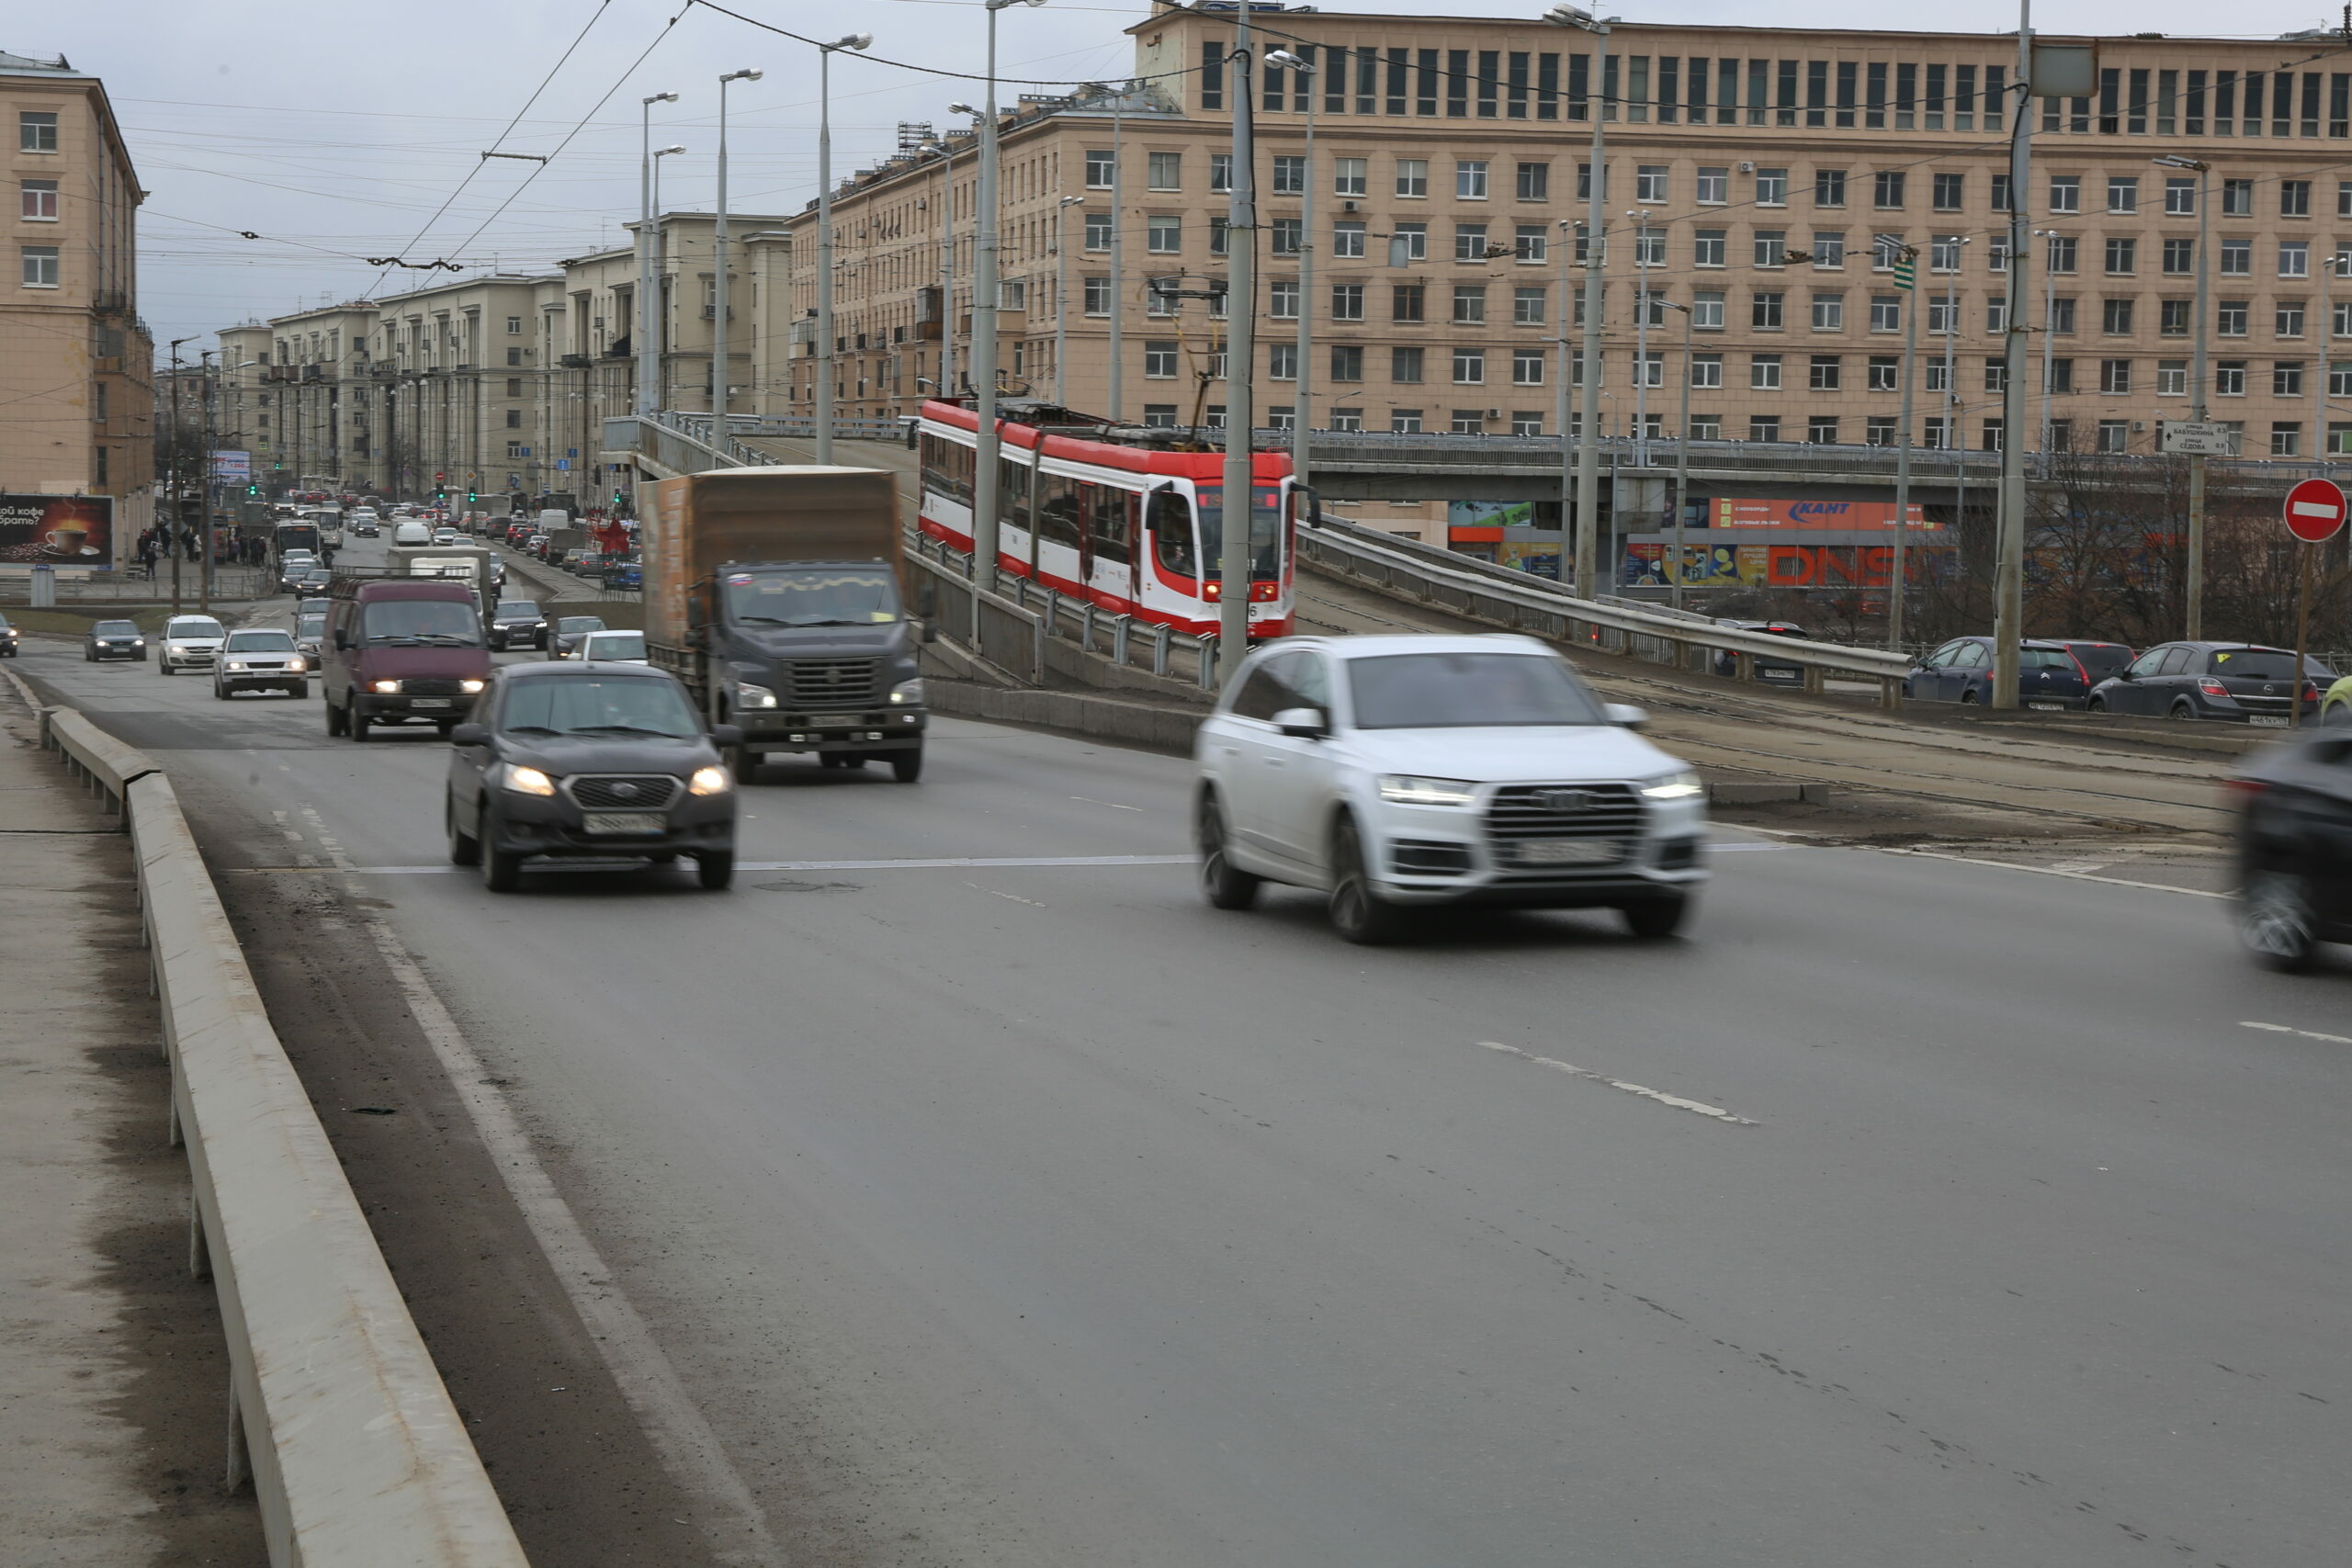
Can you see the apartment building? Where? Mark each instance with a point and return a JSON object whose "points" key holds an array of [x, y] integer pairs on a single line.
{"points": [[75, 360], [1749, 174]]}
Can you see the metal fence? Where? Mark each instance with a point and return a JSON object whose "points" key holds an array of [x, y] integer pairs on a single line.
{"points": [[1146, 647], [233, 583]]}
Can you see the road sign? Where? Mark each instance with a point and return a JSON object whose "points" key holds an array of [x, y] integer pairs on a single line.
{"points": [[2207, 440], [2315, 511], [1903, 273], [563, 465]]}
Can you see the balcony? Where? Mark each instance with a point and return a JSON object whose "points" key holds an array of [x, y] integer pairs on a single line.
{"points": [[575, 362]]}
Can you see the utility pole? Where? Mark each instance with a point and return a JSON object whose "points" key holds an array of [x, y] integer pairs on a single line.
{"points": [[204, 490], [986, 481], [825, 237], [1301, 421], [1588, 446], [1241, 348], [718, 268], [1907, 259], [2196, 606], [173, 541], [2008, 606], [1061, 298], [646, 361], [1117, 410]]}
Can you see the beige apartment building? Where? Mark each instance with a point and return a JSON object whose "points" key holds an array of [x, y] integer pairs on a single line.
{"points": [[1448, 180], [75, 360]]}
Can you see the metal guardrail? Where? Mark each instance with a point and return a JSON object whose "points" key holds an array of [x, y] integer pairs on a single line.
{"points": [[338, 1418], [134, 587], [1480, 592], [691, 443], [1132, 644]]}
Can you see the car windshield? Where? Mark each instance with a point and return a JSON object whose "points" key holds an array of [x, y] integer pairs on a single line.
{"points": [[571, 623], [829, 596], [114, 628], [2044, 658], [2260, 664], [260, 640], [614, 645], [515, 609], [1265, 531], [310, 626], [192, 627], [399, 622], [1456, 690], [594, 705]]}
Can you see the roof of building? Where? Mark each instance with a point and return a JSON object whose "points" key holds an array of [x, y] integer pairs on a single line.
{"points": [[26, 65]]}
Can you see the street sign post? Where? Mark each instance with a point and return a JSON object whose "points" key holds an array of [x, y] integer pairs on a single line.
{"points": [[2315, 512], [2195, 440]]}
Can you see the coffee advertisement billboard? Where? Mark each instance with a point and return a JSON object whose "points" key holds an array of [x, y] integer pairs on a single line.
{"points": [[57, 530]]}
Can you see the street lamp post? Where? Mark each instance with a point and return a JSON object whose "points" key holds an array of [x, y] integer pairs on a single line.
{"points": [[1240, 354], [1117, 352], [1588, 446], [719, 265], [654, 322], [825, 237], [2049, 335], [2329, 266], [204, 489], [1641, 338], [646, 362], [1907, 257], [1681, 461], [2196, 606], [1301, 448], [1061, 298], [985, 487], [174, 539]]}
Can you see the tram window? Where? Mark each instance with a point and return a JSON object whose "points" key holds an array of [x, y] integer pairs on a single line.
{"points": [[1265, 531], [1012, 493], [1172, 530], [1110, 521], [1264, 691], [1058, 517]]}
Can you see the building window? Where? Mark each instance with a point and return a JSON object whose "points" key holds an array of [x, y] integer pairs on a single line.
{"points": [[1164, 171], [1220, 172], [1881, 372], [1650, 182], [2066, 193], [1706, 372], [1349, 176], [2180, 257], [1164, 236], [1771, 187], [2180, 198], [1469, 303], [1347, 363], [1469, 422], [1707, 310], [1996, 375], [1771, 247], [1821, 429], [1764, 372], [1764, 309], [2287, 378], [40, 264], [2115, 376], [1413, 177], [2062, 253], [1159, 416], [1534, 181], [2172, 318], [1828, 312], [2122, 257], [2237, 258], [1470, 179], [1829, 187], [1411, 241], [2237, 199], [2230, 318], [1527, 366], [1347, 239], [1218, 230], [37, 201], [2123, 193], [1404, 422], [1707, 247], [1526, 421], [2114, 435], [1347, 301], [1947, 192], [2294, 258], [1527, 302], [2286, 440], [1469, 366], [513, 419], [1096, 295], [513, 386], [1098, 231], [1405, 366], [2294, 198], [2287, 317], [1887, 312], [1290, 174], [1099, 168], [1824, 374], [1347, 419], [2062, 376], [1763, 428], [1714, 187], [2115, 318], [514, 356], [2228, 379], [1706, 428], [1469, 242], [1282, 361], [1828, 252], [1886, 190], [513, 448], [1282, 299], [36, 131], [1531, 244], [1160, 361], [1408, 302], [1943, 253]]}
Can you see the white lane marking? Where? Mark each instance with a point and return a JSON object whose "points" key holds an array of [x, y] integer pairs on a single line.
{"points": [[1715, 848], [1676, 1101], [2306, 1033], [676, 1427], [1112, 804], [1014, 897], [2054, 871], [966, 863]]}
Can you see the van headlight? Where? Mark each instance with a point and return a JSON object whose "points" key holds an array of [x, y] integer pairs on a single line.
{"points": [[907, 692], [709, 781], [1674, 786], [528, 781], [1406, 790], [470, 687], [748, 696]]}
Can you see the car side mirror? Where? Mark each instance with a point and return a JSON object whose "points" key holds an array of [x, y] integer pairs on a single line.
{"points": [[342, 637], [725, 734], [469, 735], [1306, 723], [1628, 716], [2125, 674]]}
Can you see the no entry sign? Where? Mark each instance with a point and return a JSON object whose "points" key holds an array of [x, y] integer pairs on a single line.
{"points": [[2314, 510]]}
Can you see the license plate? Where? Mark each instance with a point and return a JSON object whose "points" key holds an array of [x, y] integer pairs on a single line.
{"points": [[1566, 851], [834, 720], [623, 821], [2047, 707], [428, 702], [2269, 720]]}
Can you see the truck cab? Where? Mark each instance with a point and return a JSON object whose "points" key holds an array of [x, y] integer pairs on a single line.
{"points": [[816, 657]]}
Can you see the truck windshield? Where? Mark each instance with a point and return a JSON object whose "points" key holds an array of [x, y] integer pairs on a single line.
{"points": [[1265, 532], [828, 596], [409, 622]]}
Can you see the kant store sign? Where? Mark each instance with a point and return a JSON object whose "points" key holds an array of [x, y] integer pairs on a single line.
{"points": [[1843, 516]]}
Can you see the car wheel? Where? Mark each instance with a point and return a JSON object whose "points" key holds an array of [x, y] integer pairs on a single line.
{"points": [[464, 850], [357, 724], [1222, 883], [1968, 699], [140, 656], [1357, 911], [299, 689], [907, 766], [220, 692], [2275, 921], [502, 869], [166, 667], [335, 719], [717, 871], [2097, 704], [2183, 711], [1654, 920]]}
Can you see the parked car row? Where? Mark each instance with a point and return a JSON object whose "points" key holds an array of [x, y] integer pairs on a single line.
{"points": [[2236, 683]]}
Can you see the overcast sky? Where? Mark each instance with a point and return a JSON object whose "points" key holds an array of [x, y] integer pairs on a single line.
{"points": [[336, 129]]}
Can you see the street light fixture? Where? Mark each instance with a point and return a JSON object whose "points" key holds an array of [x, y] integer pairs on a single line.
{"points": [[647, 364], [718, 363], [1302, 418], [2196, 606], [1588, 446], [1061, 298], [984, 343], [825, 236]]}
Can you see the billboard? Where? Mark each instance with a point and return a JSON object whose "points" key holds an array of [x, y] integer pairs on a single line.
{"points": [[57, 530], [1648, 563], [1490, 514], [1731, 513], [232, 467]]}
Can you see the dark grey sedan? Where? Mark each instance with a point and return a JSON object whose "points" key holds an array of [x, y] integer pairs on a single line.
{"points": [[114, 639], [2235, 683]]}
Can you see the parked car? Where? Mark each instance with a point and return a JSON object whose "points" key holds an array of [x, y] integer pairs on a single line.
{"points": [[588, 759], [2098, 659], [2294, 841], [8, 639], [1778, 674], [2335, 707], [563, 637], [517, 623], [1962, 671], [261, 659], [114, 639], [1395, 772], [2236, 683], [614, 647], [189, 642]]}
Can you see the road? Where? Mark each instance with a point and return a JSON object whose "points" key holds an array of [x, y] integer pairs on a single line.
{"points": [[997, 1202]]}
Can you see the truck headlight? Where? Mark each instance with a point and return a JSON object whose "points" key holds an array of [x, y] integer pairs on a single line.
{"points": [[1405, 790], [1674, 786], [709, 781], [908, 691], [384, 688], [528, 781], [748, 696]]}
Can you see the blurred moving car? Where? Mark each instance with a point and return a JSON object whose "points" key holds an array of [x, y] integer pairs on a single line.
{"points": [[625, 573], [445, 535], [261, 659], [2235, 683], [2294, 841], [1780, 674], [1390, 772], [8, 639], [588, 759], [408, 531], [189, 642], [311, 636], [114, 639], [563, 637], [1962, 671], [614, 647], [2336, 706], [517, 623]]}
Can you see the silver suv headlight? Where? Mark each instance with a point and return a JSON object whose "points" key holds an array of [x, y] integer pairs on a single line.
{"points": [[1684, 785], [1404, 789]]}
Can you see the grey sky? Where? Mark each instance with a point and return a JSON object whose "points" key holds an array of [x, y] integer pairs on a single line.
{"points": [[335, 129]]}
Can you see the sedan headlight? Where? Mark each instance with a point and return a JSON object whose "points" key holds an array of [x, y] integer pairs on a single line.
{"points": [[470, 687], [908, 691], [748, 696], [295, 666], [1674, 786], [384, 688], [239, 664], [529, 781], [709, 781], [1406, 790]]}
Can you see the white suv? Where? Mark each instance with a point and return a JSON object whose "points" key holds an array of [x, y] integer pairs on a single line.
{"points": [[189, 642], [1390, 772]]}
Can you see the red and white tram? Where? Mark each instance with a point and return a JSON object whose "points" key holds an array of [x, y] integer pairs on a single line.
{"points": [[1133, 528]]}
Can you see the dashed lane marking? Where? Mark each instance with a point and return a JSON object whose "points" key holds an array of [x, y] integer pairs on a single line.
{"points": [[1696, 1107], [955, 863], [2055, 871], [2287, 1028]]}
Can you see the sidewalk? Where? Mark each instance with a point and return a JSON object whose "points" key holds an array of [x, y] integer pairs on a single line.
{"points": [[113, 1381]]}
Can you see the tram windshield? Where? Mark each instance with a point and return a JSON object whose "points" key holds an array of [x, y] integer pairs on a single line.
{"points": [[1265, 532]]}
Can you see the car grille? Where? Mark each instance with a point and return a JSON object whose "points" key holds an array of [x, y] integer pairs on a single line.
{"points": [[833, 682], [1564, 811], [432, 686], [623, 792]]}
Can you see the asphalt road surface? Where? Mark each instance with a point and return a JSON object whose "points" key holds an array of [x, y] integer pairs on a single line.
{"points": [[996, 1202]]}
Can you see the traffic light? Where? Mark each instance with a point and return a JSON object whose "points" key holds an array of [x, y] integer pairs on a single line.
{"points": [[470, 496]]}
